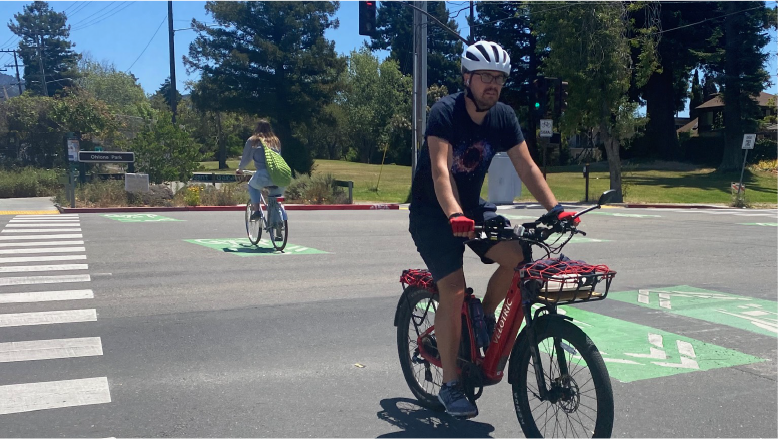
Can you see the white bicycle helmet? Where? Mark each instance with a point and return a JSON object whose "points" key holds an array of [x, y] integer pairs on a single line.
{"points": [[486, 55]]}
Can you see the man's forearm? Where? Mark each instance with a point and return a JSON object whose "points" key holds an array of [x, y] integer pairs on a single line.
{"points": [[538, 187]]}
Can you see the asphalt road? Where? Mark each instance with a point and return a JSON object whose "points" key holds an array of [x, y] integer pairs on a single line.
{"points": [[195, 334]]}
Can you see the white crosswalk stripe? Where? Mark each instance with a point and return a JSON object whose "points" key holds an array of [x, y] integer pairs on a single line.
{"points": [[41, 239]]}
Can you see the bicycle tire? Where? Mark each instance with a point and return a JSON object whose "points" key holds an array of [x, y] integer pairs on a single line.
{"points": [[272, 231], [415, 371], [253, 228], [524, 383]]}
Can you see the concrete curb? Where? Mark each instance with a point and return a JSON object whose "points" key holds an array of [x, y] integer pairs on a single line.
{"points": [[238, 208]]}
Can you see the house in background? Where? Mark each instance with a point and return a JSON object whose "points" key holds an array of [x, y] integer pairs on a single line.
{"points": [[710, 119]]}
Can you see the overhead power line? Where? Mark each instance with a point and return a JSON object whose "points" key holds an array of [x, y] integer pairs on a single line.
{"points": [[147, 44]]}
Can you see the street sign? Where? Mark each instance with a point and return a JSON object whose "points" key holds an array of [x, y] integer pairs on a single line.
{"points": [[748, 141], [546, 127], [106, 157], [73, 150]]}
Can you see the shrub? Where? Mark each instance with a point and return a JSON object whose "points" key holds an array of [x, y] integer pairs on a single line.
{"points": [[28, 182], [319, 189]]}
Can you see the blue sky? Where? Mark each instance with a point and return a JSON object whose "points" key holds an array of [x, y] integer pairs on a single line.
{"points": [[118, 32]]}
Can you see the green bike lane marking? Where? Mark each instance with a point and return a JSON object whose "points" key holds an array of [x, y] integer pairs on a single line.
{"points": [[754, 315], [760, 224], [243, 247], [138, 217], [633, 352]]}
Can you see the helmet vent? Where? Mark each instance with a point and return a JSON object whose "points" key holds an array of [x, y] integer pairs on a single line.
{"points": [[469, 55], [496, 53], [483, 51]]}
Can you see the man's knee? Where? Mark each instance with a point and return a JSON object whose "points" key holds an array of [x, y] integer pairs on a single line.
{"points": [[452, 286]]}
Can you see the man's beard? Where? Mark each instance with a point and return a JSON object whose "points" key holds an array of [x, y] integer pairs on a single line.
{"points": [[485, 102]]}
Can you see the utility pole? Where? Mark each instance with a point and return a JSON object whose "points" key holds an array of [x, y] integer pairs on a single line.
{"points": [[419, 78], [172, 59], [43, 74], [18, 80], [472, 21], [16, 65]]}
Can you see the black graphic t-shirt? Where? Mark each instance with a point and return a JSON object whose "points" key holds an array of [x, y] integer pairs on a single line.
{"points": [[473, 145]]}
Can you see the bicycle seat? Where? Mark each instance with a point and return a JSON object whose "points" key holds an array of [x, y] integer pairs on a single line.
{"points": [[271, 187]]}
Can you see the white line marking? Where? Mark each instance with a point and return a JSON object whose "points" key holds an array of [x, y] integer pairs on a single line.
{"points": [[35, 244], [58, 267], [63, 215], [656, 340], [659, 354], [48, 318], [46, 296], [43, 258], [50, 349], [30, 280], [42, 220], [685, 348], [59, 236], [43, 250], [39, 230], [29, 226], [19, 398], [643, 296], [619, 360]]}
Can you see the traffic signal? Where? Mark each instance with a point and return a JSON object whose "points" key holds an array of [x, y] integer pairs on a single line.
{"points": [[560, 95], [539, 96], [367, 18]]}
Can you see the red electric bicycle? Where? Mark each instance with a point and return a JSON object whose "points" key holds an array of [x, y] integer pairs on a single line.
{"points": [[561, 386]]}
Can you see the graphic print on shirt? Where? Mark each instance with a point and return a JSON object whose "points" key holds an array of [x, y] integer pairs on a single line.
{"points": [[471, 158]]}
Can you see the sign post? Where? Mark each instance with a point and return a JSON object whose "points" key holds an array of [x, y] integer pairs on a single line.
{"points": [[748, 143], [73, 150]]}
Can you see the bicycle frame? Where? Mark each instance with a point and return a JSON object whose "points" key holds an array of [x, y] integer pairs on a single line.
{"points": [[492, 363]]}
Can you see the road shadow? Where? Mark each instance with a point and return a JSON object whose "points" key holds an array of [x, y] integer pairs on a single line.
{"points": [[250, 249], [417, 421]]}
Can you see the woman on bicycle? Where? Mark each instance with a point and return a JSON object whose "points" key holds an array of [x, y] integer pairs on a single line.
{"points": [[263, 137]]}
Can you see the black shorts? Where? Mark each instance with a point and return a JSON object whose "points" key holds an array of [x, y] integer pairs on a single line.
{"points": [[439, 248]]}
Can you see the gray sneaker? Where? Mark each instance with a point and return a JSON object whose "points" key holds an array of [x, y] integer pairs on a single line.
{"points": [[456, 403]]}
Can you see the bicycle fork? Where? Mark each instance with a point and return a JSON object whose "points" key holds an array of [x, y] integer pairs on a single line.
{"points": [[537, 363]]}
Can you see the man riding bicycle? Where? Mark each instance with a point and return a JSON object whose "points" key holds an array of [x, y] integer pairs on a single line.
{"points": [[464, 131]]}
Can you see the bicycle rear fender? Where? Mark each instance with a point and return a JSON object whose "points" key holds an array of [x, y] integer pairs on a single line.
{"points": [[519, 346], [401, 303]]}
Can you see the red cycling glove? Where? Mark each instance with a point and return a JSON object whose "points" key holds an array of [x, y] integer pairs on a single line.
{"points": [[461, 224], [565, 216]]}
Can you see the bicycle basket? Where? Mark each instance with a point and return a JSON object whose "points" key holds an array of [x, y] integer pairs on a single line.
{"points": [[563, 280]]}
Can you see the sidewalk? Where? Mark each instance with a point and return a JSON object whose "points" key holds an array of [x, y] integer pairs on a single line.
{"points": [[45, 206], [28, 206]]}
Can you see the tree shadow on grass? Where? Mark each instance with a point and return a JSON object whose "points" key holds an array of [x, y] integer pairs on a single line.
{"points": [[712, 181], [416, 421]]}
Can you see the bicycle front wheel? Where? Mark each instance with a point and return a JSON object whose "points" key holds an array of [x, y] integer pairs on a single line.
{"points": [[416, 314], [579, 397], [253, 228]]}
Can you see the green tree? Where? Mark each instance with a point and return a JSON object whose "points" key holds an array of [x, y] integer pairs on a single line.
{"points": [[165, 151], [161, 98], [269, 59], [26, 121], [590, 47], [394, 25], [44, 36], [696, 98], [736, 58], [80, 113], [119, 90], [709, 88], [375, 94], [676, 30]]}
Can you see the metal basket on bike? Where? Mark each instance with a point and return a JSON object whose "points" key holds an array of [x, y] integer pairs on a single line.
{"points": [[564, 280]]}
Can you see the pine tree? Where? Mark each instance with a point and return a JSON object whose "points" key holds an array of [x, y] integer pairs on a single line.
{"points": [[44, 37], [268, 59]]}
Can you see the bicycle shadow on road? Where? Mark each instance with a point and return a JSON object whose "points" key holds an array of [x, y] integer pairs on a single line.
{"points": [[250, 249], [417, 421]]}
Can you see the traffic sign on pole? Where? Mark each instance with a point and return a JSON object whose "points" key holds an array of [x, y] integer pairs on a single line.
{"points": [[748, 141], [546, 127]]}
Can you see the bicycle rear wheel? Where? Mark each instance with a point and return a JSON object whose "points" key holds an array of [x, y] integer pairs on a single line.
{"points": [[278, 232], [579, 403], [253, 228], [416, 314]]}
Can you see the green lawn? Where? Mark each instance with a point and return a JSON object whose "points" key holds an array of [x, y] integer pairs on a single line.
{"points": [[649, 183]]}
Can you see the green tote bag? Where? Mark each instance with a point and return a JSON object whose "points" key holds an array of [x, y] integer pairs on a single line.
{"points": [[279, 171]]}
